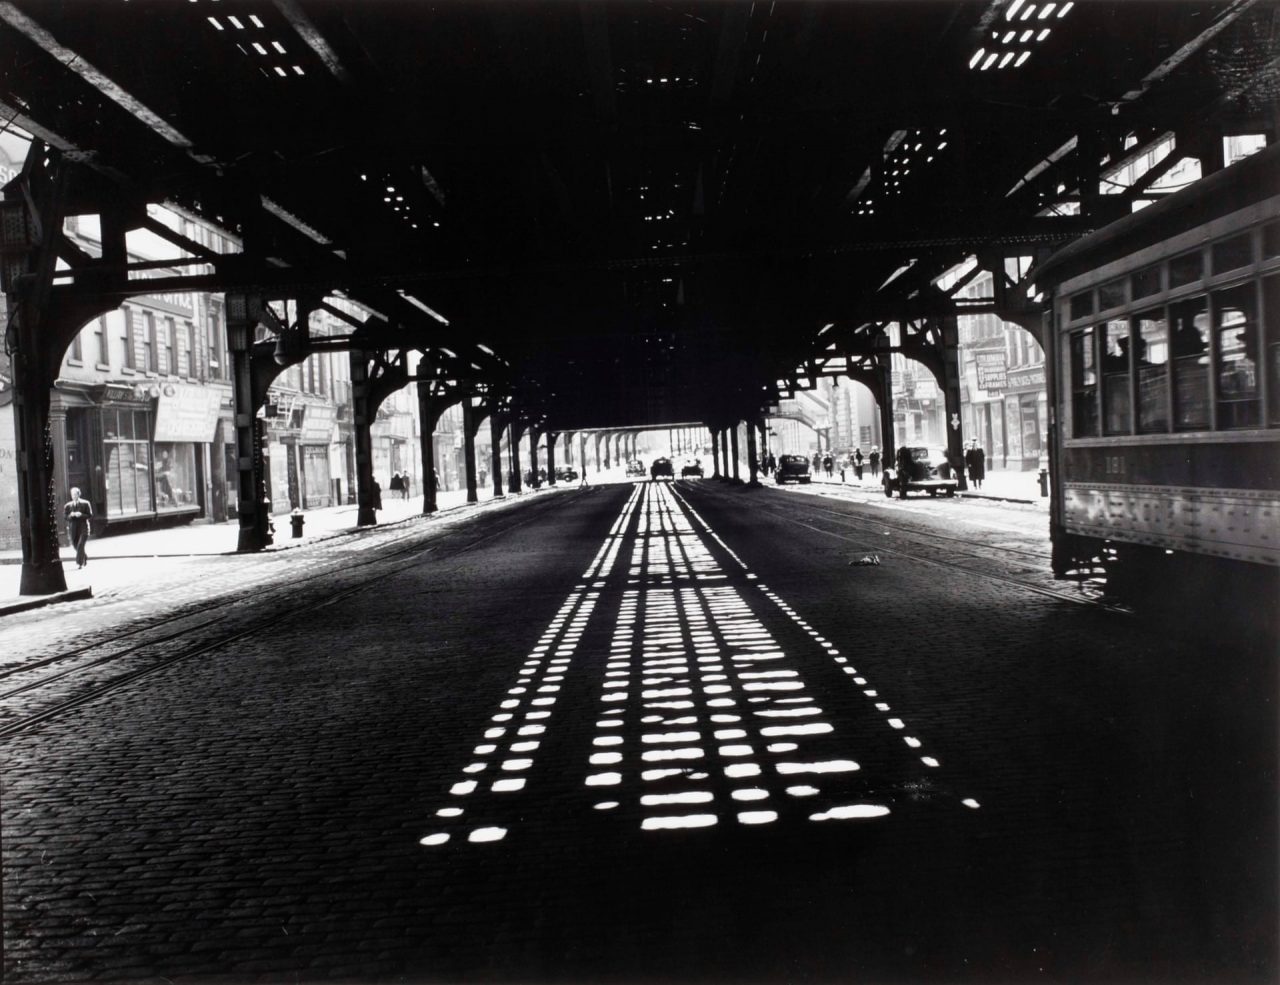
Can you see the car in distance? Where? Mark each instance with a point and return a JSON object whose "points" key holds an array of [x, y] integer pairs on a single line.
{"points": [[919, 469], [566, 473], [662, 466], [792, 468], [691, 468], [635, 467]]}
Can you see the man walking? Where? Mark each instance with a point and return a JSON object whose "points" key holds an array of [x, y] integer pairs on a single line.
{"points": [[78, 511]]}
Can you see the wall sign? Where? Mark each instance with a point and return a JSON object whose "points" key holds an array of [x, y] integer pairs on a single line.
{"points": [[187, 413]]}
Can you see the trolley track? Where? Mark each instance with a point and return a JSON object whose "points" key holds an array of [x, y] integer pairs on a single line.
{"points": [[415, 552], [987, 557]]}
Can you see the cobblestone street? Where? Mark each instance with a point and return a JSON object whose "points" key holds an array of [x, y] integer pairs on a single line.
{"points": [[638, 732]]}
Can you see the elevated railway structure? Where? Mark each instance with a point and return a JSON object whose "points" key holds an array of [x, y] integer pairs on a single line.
{"points": [[587, 218]]}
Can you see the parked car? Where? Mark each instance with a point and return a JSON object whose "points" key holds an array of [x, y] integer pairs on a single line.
{"points": [[926, 470], [566, 473], [691, 468], [662, 466], [635, 467], [792, 468]]}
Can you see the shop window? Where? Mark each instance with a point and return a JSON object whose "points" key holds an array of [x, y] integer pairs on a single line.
{"points": [[1084, 385], [1116, 367], [127, 451], [1152, 361], [176, 485], [1111, 295], [1236, 337], [1145, 283], [1186, 269], [1081, 305], [1232, 254], [1271, 302], [1189, 325]]}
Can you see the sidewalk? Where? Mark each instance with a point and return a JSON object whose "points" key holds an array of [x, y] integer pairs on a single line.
{"points": [[202, 540], [1009, 487]]}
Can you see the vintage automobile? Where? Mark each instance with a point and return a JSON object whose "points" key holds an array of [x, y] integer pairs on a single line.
{"points": [[635, 467], [926, 470], [792, 468], [566, 473], [662, 466], [691, 468]]}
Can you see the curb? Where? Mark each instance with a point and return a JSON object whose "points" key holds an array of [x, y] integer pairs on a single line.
{"points": [[75, 595]]}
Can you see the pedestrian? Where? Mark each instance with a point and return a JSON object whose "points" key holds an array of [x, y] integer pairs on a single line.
{"points": [[397, 483], [828, 465], [874, 460], [857, 463], [377, 495], [78, 511], [404, 484], [975, 459], [844, 465]]}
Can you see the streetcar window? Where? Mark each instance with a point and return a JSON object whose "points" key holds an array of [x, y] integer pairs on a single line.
{"points": [[1271, 241], [1146, 282], [1236, 331], [1271, 303], [1116, 416], [1111, 295], [1084, 385], [1152, 357], [1081, 305], [1189, 341], [1231, 254], [1186, 269]]}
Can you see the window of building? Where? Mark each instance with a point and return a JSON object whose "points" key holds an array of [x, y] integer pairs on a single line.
{"points": [[1116, 368], [1189, 325], [1152, 362], [214, 347], [1145, 283], [150, 355], [189, 356], [1111, 295], [1084, 384], [130, 341], [1236, 337], [171, 340], [100, 345], [175, 476], [1186, 269], [1231, 254], [76, 352], [126, 443]]}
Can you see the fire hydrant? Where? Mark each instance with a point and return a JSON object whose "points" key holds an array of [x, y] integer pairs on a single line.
{"points": [[297, 519]]}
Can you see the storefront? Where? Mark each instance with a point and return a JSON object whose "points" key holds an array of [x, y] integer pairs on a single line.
{"points": [[1025, 414], [314, 439]]}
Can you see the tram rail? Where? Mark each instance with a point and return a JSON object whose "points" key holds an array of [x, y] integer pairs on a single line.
{"points": [[384, 554]]}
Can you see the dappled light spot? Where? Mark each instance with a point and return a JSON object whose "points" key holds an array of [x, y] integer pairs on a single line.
{"points": [[970, 803], [509, 785], [671, 823], [436, 839], [802, 791], [735, 770], [736, 750], [607, 740], [750, 793], [524, 746], [651, 775], [606, 805], [474, 768], [660, 755], [495, 733], [503, 717], [725, 734], [670, 737], [487, 834], [531, 730], [896, 723], [757, 817], [514, 765], [604, 758], [537, 714], [604, 779], [773, 686], [912, 741], [789, 712], [928, 761], [808, 728], [462, 788], [782, 747], [830, 766], [449, 812], [484, 750], [851, 812], [683, 797]]}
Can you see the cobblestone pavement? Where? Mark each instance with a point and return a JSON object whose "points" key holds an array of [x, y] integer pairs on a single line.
{"points": [[661, 732]]}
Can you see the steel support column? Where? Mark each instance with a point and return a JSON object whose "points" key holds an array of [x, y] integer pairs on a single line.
{"points": [[362, 419], [753, 463], [551, 458], [495, 452], [598, 437], [252, 504], [534, 481], [582, 454], [715, 453], [733, 437], [470, 425], [515, 432], [888, 434], [951, 391]]}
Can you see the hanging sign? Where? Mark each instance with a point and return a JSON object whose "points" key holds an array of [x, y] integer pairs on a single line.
{"points": [[991, 366], [186, 413]]}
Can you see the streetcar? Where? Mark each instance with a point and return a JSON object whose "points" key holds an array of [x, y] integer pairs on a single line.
{"points": [[1164, 371]]}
